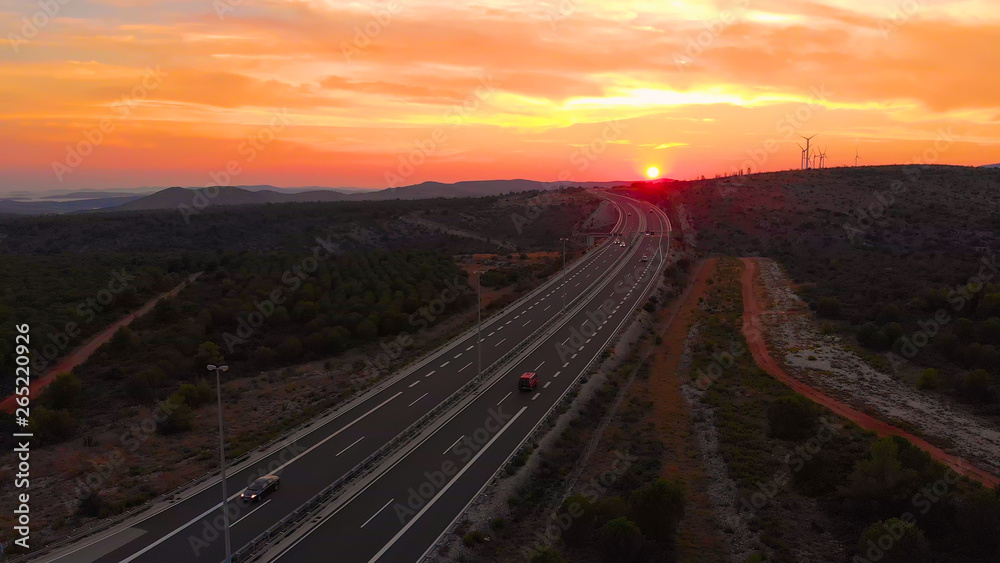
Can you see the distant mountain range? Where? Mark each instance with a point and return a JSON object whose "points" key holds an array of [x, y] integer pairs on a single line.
{"points": [[228, 195], [997, 165], [141, 199]]}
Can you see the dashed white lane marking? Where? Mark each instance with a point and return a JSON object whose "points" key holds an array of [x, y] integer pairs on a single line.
{"points": [[251, 512], [418, 398], [501, 341], [446, 363], [536, 396], [446, 452], [414, 383], [573, 357], [504, 397], [557, 373], [546, 386], [430, 373], [349, 447], [566, 364], [457, 356], [377, 512]]}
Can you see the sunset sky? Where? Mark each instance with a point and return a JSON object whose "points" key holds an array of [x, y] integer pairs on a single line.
{"points": [[375, 94]]}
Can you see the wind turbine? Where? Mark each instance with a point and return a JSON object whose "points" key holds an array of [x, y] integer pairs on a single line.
{"points": [[802, 157], [807, 150], [856, 157], [822, 158], [815, 157]]}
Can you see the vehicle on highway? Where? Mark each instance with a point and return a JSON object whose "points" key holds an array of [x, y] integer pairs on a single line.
{"points": [[260, 488], [644, 259], [528, 381]]}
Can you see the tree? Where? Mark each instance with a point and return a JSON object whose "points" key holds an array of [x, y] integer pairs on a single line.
{"points": [[792, 417], [208, 353], [290, 348], [366, 330], [547, 555], [975, 387], [179, 419], [141, 386], [882, 477], [657, 508], [894, 541], [828, 307], [52, 426], [63, 393], [621, 540], [928, 379]]}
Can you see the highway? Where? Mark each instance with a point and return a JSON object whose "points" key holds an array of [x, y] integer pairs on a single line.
{"points": [[187, 526], [400, 515]]}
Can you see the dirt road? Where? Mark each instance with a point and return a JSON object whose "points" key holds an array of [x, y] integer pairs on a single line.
{"points": [[80, 355], [752, 331]]}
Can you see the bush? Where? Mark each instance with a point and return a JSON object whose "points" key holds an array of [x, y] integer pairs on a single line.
{"points": [[142, 386], [63, 393], [828, 307], [91, 505], [792, 417], [928, 380], [194, 395], [975, 387], [621, 540], [657, 508], [472, 538], [547, 555], [882, 476], [51, 426], [894, 541], [179, 419]]}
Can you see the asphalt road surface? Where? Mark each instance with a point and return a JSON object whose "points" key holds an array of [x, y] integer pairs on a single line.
{"points": [[188, 528]]}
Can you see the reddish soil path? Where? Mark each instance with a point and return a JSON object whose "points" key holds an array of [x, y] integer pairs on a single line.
{"points": [[80, 355], [752, 331]]}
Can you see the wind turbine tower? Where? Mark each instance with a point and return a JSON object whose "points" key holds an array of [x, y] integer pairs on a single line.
{"points": [[806, 153], [822, 158], [856, 157]]}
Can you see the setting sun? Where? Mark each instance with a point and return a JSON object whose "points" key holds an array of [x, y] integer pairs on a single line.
{"points": [[652, 172]]}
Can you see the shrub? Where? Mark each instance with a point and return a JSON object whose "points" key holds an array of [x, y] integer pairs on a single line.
{"points": [[657, 508], [63, 393], [51, 426], [621, 540], [975, 387], [828, 307], [928, 379], [547, 555], [894, 541], [179, 419], [792, 417]]}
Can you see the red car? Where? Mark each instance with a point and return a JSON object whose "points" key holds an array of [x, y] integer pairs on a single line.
{"points": [[527, 381]]}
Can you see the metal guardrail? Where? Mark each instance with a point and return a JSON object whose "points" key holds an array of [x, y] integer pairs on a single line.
{"points": [[259, 545], [374, 387], [536, 431]]}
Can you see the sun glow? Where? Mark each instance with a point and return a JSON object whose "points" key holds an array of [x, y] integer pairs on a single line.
{"points": [[652, 172]]}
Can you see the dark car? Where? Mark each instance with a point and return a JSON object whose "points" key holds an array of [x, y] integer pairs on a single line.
{"points": [[260, 488]]}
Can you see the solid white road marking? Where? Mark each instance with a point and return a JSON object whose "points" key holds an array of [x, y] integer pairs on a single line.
{"points": [[501, 342], [418, 398], [504, 397], [465, 366]]}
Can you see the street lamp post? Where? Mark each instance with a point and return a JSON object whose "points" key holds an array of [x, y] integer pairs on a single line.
{"points": [[222, 455], [564, 251]]}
